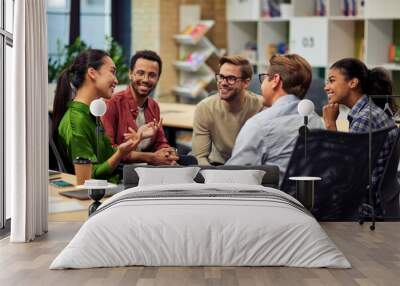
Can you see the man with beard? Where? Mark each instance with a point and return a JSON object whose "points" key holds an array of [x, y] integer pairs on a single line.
{"points": [[219, 118], [134, 109]]}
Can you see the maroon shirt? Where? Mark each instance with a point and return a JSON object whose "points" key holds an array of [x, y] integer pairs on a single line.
{"points": [[122, 110]]}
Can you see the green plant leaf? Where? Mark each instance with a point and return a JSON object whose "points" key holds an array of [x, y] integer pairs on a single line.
{"points": [[66, 55]]}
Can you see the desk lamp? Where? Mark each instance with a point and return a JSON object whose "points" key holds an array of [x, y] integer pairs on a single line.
{"points": [[305, 108], [97, 108], [305, 184]]}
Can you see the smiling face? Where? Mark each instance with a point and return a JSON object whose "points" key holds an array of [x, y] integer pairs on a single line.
{"points": [[231, 91], [105, 79], [144, 77], [338, 87]]}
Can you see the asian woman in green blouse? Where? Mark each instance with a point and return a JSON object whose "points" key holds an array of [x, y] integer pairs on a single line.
{"points": [[91, 76]]}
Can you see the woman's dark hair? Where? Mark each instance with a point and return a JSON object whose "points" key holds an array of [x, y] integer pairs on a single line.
{"points": [[147, 55], [382, 85], [371, 82], [71, 79]]}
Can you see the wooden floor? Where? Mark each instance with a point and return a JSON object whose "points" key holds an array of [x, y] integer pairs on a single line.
{"points": [[375, 257]]}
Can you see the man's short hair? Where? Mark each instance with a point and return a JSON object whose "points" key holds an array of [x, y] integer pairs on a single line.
{"points": [[148, 55], [294, 71], [245, 66]]}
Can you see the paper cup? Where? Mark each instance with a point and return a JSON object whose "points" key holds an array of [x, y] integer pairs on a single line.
{"points": [[83, 170]]}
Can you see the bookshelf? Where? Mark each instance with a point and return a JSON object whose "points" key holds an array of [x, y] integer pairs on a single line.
{"points": [[195, 49], [322, 31]]}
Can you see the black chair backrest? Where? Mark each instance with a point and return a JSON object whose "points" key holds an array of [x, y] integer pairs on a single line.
{"points": [[341, 160], [389, 186], [57, 153]]}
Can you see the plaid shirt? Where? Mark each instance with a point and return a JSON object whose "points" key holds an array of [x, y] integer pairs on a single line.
{"points": [[359, 122]]}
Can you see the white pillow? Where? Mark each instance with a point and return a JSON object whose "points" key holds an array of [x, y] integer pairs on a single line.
{"points": [[166, 176], [248, 177]]}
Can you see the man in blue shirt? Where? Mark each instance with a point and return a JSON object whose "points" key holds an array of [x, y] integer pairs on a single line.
{"points": [[269, 136]]}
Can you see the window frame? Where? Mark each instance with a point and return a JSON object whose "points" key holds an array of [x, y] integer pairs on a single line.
{"points": [[6, 39]]}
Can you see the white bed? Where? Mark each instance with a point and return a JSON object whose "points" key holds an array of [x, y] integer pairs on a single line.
{"points": [[201, 224]]}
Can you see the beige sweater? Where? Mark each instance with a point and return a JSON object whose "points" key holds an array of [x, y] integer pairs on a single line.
{"points": [[215, 128]]}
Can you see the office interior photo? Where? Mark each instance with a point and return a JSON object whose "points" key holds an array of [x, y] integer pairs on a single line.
{"points": [[201, 142]]}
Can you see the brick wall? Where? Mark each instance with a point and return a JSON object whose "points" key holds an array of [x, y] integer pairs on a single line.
{"points": [[146, 25], [169, 26], [155, 22]]}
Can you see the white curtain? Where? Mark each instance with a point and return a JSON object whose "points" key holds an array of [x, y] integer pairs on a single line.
{"points": [[27, 123]]}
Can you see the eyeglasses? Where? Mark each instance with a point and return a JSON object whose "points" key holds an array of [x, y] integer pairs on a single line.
{"points": [[262, 76], [230, 79], [140, 74]]}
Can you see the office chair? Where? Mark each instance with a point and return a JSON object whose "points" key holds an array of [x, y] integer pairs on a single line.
{"points": [[57, 156], [341, 160], [389, 186]]}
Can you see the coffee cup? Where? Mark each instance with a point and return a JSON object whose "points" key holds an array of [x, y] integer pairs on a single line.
{"points": [[83, 169]]}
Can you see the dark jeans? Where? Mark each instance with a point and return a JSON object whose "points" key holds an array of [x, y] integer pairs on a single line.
{"points": [[187, 160]]}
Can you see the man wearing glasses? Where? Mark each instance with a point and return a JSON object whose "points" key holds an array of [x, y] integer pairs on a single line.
{"points": [[133, 109], [219, 118], [269, 136]]}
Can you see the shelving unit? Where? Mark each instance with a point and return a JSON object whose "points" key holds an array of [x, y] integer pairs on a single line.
{"points": [[195, 49], [322, 40]]}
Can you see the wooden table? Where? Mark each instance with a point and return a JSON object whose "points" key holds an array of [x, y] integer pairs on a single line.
{"points": [[176, 116], [57, 201], [62, 208]]}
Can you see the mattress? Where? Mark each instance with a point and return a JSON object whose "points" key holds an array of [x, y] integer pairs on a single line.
{"points": [[201, 225]]}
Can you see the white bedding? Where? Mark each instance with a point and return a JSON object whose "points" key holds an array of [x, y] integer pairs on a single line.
{"points": [[190, 230]]}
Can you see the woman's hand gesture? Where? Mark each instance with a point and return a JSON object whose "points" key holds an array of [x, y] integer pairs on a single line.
{"points": [[148, 130], [130, 144]]}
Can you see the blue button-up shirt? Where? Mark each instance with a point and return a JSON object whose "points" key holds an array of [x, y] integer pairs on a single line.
{"points": [[269, 136]]}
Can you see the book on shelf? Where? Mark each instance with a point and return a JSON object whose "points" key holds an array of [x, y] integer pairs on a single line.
{"points": [[320, 8], [352, 7], [278, 48], [196, 31], [359, 42], [271, 8], [194, 58], [394, 54], [360, 4]]}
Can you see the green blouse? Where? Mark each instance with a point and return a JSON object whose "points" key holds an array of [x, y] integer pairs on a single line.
{"points": [[77, 132]]}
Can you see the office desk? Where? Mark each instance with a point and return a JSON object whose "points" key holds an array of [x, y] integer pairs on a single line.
{"points": [[66, 209], [62, 208], [176, 116]]}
